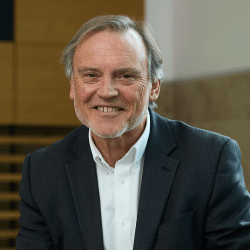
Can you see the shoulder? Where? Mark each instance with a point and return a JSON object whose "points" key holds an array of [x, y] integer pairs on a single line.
{"points": [[192, 138], [62, 150], [202, 144], [47, 165], [185, 138], [184, 132]]}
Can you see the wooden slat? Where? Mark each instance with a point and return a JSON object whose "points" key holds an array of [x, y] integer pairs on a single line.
{"points": [[9, 215], [8, 177], [8, 248], [29, 140], [5, 234], [15, 158], [9, 196]]}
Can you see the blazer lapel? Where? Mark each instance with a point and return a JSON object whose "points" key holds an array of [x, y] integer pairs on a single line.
{"points": [[84, 187], [158, 175]]}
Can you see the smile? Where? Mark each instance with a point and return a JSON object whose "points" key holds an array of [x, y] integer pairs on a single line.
{"points": [[107, 109]]}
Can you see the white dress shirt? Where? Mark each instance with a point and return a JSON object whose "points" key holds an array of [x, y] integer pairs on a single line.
{"points": [[119, 190]]}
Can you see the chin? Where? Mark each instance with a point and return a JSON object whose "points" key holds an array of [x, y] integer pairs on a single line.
{"points": [[108, 133]]}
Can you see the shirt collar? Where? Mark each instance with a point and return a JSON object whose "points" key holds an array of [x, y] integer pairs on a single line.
{"points": [[134, 155]]}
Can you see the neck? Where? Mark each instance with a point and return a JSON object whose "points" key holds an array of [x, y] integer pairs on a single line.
{"points": [[114, 149]]}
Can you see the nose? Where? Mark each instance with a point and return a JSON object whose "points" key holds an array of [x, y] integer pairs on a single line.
{"points": [[107, 88]]}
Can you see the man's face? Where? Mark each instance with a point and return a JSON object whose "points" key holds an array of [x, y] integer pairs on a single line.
{"points": [[110, 85]]}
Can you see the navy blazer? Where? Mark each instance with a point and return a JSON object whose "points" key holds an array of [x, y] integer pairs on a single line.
{"points": [[193, 194]]}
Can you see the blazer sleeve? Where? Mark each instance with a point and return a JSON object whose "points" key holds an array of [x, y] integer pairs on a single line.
{"points": [[228, 213], [33, 233]]}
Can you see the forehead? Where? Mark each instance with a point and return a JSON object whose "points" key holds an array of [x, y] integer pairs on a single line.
{"points": [[108, 44]]}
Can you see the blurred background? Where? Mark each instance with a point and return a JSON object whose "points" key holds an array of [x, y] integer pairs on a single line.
{"points": [[207, 83]]}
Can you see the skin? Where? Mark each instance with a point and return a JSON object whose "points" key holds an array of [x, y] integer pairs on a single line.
{"points": [[110, 71]]}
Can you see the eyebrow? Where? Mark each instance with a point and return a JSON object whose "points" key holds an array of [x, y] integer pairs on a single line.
{"points": [[118, 71], [130, 70], [85, 69]]}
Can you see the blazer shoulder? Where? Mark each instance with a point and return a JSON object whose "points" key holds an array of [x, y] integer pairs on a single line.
{"points": [[62, 149], [185, 133], [184, 138]]}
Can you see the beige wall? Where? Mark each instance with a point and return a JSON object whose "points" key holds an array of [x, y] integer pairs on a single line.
{"points": [[201, 38], [220, 104]]}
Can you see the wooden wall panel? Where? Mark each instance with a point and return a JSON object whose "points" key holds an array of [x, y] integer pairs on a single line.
{"points": [[219, 98], [43, 89], [165, 102], [58, 20], [6, 83]]}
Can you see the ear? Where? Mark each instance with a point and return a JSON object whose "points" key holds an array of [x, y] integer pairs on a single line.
{"points": [[155, 90], [72, 89]]}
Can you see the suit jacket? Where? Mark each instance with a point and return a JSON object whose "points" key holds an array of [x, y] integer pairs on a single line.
{"points": [[193, 194]]}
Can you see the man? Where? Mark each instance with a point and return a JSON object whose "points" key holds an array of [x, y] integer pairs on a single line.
{"points": [[128, 178]]}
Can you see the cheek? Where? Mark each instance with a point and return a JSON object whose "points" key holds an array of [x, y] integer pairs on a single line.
{"points": [[83, 92], [137, 96], [142, 91]]}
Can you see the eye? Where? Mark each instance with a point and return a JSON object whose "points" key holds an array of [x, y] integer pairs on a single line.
{"points": [[91, 75], [127, 76]]}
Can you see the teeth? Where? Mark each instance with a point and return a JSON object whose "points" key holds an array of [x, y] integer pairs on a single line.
{"points": [[100, 108], [105, 109]]}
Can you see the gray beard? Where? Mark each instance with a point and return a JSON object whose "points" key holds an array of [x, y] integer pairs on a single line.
{"points": [[123, 128]]}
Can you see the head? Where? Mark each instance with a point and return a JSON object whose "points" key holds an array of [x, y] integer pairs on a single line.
{"points": [[119, 24], [114, 75]]}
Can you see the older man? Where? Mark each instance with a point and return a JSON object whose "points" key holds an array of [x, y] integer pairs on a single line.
{"points": [[128, 178]]}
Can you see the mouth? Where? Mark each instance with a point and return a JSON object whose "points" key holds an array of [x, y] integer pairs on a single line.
{"points": [[107, 109]]}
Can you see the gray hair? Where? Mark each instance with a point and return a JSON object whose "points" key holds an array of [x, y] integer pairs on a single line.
{"points": [[118, 23]]}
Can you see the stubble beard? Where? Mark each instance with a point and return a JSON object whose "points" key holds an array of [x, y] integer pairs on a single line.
{"points": [[123, 128]]}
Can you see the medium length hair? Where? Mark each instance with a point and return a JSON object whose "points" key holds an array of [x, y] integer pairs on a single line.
{"points": [[120, 24]]}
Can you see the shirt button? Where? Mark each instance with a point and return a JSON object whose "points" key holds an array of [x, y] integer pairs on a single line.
{"points": [[123, 222], [123, 181]]}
